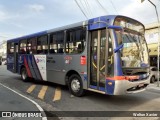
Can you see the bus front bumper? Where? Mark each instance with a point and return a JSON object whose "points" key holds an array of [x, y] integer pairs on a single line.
{"points": [[120, 87]]}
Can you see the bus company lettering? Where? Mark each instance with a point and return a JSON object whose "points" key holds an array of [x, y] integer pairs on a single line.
{"points": [[68, 58], [39, 60]]}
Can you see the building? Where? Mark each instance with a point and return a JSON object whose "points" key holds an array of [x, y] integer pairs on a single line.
{"points": [[151, 35], [3, 50], [153, 49]]}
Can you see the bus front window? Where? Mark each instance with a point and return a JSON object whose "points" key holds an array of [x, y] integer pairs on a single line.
{"points": [[134, 52]]}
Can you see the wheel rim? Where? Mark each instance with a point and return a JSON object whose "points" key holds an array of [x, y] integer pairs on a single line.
{"points": [[24, 75], [152, 79], [75, 85]]}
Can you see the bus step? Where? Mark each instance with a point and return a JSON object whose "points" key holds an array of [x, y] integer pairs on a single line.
{"points": [[98, 91]]}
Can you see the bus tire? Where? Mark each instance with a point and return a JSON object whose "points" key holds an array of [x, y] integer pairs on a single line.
{"points": [[76, 85], [152, 80], [24, 75]]}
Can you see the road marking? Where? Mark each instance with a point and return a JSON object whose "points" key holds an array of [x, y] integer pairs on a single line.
{"points": [[37, 105], [42, 92], [57, 95], [31, 88]]}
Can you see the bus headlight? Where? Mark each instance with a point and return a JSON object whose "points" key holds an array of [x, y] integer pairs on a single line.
{"points": [[110, 83]]}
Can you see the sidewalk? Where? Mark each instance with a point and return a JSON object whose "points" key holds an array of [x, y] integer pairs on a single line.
{"points": [[153, 86]]}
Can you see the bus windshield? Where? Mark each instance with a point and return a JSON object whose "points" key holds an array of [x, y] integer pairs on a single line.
{"points": [[134, 52]]}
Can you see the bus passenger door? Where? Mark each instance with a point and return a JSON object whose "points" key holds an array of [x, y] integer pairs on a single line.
{"points": [[98, 60], [15, 58], [101, 59]]}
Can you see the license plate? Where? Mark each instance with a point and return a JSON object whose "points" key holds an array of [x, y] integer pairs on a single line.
{"points": [[140, 85]]}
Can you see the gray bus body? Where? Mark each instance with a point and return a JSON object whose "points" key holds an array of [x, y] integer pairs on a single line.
{"points": [[97, 63]]}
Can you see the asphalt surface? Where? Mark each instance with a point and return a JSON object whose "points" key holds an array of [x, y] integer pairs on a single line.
{"points": [[11, 101], [53, 97], [13, 104]]}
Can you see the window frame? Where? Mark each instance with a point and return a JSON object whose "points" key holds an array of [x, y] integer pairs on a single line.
{"points": [[81, 36], [19, 46], [9, 47], [30, 39], [59, 41], [41, 45]]}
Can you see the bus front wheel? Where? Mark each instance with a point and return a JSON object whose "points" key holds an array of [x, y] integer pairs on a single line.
{"points": [[24, 75], [75, 85], [152, 80]]}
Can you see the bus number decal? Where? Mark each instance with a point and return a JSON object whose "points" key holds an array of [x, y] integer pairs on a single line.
{"points": [[67, 59]]}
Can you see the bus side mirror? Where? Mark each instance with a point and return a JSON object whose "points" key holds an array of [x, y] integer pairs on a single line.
{"points": [[118, 48]]}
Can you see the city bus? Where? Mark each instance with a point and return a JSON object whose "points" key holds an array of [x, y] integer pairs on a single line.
{"points": [[106, 54]]}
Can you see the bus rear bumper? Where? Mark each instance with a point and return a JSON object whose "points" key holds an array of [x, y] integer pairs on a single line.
{"points": [[128, 87]]}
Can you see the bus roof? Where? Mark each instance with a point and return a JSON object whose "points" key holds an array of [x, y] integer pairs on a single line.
{"points": [[27, 36], [94, 23]]}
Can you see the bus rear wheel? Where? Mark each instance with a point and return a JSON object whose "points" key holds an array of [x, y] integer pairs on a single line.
{"points": [[75, 85], [24, 75]]}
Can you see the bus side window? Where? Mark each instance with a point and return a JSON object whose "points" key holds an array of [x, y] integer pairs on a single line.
{"points": [[53, 46], [57, 43], [10, 48], [31, 46], [23, 45], [42, 45], [75, 42], [60, 42]]}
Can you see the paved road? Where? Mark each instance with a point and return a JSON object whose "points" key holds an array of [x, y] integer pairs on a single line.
{"points": [[58, 97], [11, 101]]}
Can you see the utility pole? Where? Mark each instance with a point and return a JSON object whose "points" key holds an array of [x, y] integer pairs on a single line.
{"points": [[158, 38]]}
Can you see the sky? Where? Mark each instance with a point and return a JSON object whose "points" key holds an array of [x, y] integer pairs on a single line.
{"points": [[22, 17]]}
